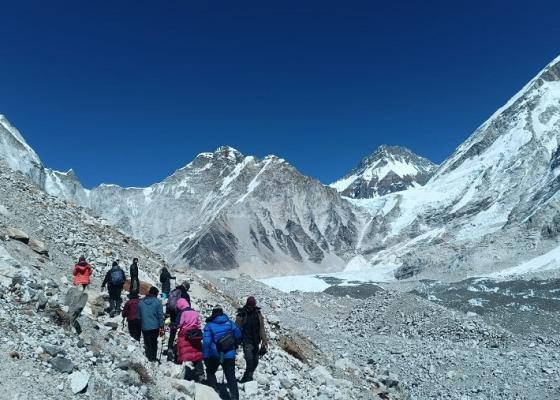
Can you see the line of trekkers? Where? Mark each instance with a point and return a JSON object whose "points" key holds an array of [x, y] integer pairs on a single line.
{"points": [[207, 348]]}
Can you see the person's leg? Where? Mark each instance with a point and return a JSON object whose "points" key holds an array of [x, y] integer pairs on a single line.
{"points": [[112, 302], [150, 342], [211, 368], [198, 371], [118, 299], [229, 371], [249, 355], [134, 329]]}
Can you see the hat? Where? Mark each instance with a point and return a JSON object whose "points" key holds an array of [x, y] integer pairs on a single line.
{"points": [[251, 301], [115, 263], [82, 258], [133, 295], [217, 307], [186, 285]]}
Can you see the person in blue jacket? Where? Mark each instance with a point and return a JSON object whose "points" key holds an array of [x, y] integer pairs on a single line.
{"points": [[219, 347], [150, 312]]}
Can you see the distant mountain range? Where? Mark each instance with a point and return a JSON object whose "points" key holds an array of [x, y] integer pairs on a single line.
{"points": [[492, 204]]}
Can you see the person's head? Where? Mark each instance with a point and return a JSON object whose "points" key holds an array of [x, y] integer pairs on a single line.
{"points": [[182, 304], [217, 311], [153, 291], [135, 260], [115, 263], [251, 301], [133, 295], [82, 259], [186, 285]]}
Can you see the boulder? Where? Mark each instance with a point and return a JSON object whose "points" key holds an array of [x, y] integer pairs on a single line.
{"points": [[38, 247], [17, 234], [78, 381], [144, 287], [62, 364]]}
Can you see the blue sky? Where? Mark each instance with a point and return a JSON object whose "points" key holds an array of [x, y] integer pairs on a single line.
{"points": [[126, 92]]}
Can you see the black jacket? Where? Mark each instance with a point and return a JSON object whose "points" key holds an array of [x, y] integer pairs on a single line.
{"points": [[134, 271], [165, 280]]}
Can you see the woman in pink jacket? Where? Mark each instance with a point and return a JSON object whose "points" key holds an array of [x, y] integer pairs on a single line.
{"points": [[189, 339]]}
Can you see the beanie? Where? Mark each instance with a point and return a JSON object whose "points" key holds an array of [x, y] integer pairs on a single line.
{"points": [[251, 301]]}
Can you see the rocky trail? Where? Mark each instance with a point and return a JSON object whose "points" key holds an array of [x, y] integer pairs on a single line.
{"points": [[59, 343]]}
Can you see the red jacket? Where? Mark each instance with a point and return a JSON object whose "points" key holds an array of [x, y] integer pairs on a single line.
{"points": [[188, 350], [82, 274], [130, 309]]}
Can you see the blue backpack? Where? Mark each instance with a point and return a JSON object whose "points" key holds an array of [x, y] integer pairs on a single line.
{"points": [[117, 276]]}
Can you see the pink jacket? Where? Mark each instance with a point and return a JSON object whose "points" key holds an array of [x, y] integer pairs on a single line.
{"points": [[188, 350]]}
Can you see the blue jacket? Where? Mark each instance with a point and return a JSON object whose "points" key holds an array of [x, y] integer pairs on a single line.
{"points": [[214, 331], [150, 312]]}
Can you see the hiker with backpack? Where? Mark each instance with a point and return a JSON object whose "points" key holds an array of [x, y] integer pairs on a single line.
{"points": [[82, 273], [150, 311], [114, 280], [134, 280], [180, 292], [219, 345], [130, 312], [189, 339], [165, 280], [251, 322]]}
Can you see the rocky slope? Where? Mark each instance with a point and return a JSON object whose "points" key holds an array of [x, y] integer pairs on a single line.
{"points": [[389, 169], [44, 354]]}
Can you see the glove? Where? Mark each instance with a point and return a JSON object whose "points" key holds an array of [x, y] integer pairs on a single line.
{"points": [[262, 351], [168, 321]]}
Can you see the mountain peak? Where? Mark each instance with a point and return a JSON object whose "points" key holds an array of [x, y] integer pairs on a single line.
{"points": [[388, 169]]}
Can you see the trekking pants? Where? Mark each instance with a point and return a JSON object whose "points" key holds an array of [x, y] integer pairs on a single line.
{"points": [[251, 354], [228, 366], [134, 329], [196, 374], [150, 343], [115, 298]]}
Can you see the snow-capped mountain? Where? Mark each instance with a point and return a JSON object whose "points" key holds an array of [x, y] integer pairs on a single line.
{"points": [[389, 169], [225, 210], [18, 154], [493, 204]]}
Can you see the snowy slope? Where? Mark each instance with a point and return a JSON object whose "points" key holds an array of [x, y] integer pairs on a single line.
{"points": [[493, 202], [389, 169], [17, 153]]}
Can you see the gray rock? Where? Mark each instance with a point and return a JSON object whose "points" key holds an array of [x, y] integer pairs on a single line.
{"points": [[62, 364], [17, 234], [78, 381]]}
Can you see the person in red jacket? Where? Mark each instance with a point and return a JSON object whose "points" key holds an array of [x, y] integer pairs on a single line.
{"points": [[189, 340], [130, 312], [82, 273]]}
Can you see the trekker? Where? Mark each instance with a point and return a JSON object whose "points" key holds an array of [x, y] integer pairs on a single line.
{"points": [[219, 345], [82, 273], [251, 322], [134, 280], [189, 339], [130, 312], [114, 279], [150, 311], [180, 292], [165, 280]]}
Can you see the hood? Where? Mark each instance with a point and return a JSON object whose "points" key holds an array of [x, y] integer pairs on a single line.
{"points": [[182, 304]]}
